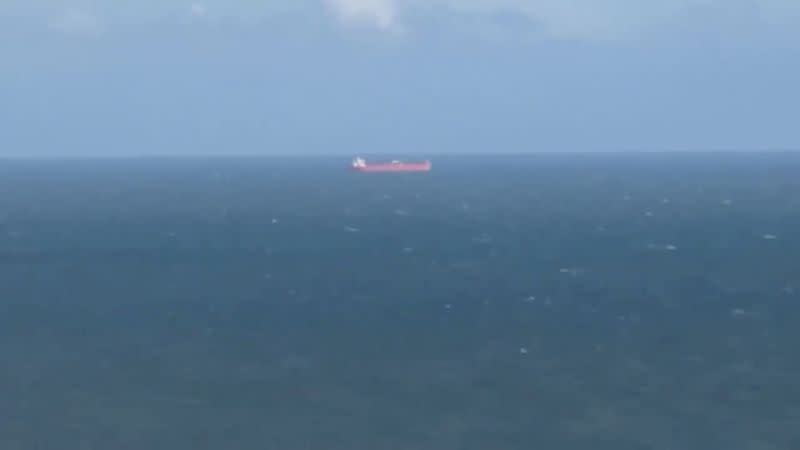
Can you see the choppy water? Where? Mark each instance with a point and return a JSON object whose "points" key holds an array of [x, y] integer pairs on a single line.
{"points": [[559, 302]]}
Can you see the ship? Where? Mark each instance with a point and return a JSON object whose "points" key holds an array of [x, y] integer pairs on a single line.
{"points": [[361, 165]]}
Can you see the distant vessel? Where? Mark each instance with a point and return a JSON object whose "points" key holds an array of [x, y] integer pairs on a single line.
{"points": [[361, 165]]}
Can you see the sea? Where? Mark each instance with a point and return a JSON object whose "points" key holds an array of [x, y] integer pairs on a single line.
{"points": [[546, 301]]}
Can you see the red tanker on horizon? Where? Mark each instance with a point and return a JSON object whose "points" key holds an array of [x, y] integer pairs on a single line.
{"points": [[359, 164]]}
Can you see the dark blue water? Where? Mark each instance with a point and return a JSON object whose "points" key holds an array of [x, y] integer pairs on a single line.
{"points": [[559, 302]]}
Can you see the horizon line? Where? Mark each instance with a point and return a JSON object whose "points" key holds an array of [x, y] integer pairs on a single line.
{"points": [[245, 155]]}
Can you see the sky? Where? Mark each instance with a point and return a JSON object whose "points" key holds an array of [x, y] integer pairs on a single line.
{"points": [[228, 77]]}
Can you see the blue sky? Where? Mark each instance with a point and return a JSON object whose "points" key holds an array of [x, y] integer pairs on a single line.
{"points": [[124, 77]]}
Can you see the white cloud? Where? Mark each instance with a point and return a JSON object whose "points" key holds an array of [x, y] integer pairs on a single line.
{"points": [[586, 19], [381, 14], [561, 19]]}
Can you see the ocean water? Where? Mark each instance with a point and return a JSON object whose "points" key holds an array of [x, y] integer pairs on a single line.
{"points": [[511, 302]]}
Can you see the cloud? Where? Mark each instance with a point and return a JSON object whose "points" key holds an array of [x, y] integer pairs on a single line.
{"points": [[381, 14], [589, 20], [553, 19]]}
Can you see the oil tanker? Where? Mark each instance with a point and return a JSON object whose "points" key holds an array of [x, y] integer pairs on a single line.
{"points": [[360, 165]]}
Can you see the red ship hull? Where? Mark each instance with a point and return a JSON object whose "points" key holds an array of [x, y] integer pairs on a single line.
{"points": [[395, 167]]}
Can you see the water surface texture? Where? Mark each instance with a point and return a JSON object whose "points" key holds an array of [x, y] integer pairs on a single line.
{"points": [[557, 302]]}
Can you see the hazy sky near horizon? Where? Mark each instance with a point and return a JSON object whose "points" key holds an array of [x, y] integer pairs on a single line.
{"points": [[127, 77]]}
